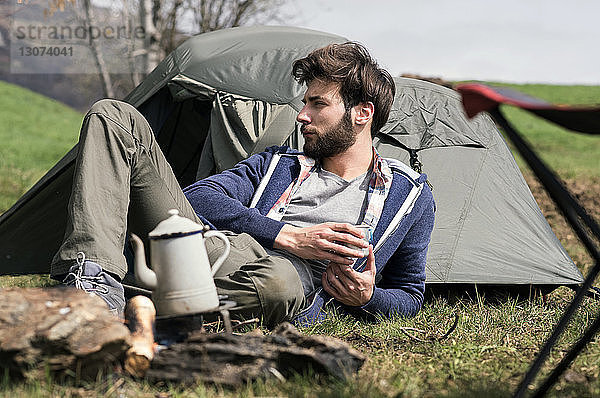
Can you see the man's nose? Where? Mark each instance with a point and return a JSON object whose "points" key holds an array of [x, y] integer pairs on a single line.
{"points": [[303, 116]]}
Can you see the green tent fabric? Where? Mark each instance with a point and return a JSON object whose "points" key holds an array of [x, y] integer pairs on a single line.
{"points": [[488, 229], [222, 96]]}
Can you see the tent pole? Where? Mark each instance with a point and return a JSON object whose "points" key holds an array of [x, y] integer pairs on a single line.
{"points": [[572, 211], [568, 358]]}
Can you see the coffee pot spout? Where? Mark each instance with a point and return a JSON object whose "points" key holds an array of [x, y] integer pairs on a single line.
{"points": [[143, 274]]}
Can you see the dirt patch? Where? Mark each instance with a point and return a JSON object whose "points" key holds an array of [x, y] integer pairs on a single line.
{"points": [[588, 194]]}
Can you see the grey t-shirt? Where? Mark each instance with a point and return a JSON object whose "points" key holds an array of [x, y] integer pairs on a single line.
{"points": [[324, 197]]}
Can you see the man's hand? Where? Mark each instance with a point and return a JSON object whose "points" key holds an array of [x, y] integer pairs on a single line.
{"points": [[322, 242], [349, 286]]}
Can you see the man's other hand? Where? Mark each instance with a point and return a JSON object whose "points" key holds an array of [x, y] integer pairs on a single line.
{"points": [[322, 242], [348, 286]]}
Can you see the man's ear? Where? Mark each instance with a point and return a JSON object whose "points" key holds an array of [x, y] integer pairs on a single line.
{"points": [[364, 112]]}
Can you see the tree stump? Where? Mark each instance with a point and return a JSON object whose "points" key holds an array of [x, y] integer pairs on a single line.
{"points": [[233, 360], [63, 330]]}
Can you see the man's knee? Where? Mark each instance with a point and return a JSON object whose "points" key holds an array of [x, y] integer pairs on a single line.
{"points": [[124, 118], [281, 293], [111, 107]]}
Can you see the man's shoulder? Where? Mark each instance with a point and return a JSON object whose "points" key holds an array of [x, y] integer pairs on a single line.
{"points": [[283, 150], [405, 176], [403, 170], [268, 155], [286, 156]]}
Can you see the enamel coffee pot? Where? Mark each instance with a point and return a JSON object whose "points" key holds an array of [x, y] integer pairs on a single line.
{"points": [[182, 279]]}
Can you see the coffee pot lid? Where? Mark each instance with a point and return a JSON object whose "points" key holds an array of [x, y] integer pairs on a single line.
{"points": [[175, 226]]}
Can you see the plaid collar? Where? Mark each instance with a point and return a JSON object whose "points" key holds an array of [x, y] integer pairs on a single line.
{"points": [[379, 187]]}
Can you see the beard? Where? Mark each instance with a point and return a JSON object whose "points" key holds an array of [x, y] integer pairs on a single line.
{"points": [[333, 141]]}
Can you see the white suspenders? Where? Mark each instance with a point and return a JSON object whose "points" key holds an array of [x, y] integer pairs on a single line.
{"points": [[265, 180]]}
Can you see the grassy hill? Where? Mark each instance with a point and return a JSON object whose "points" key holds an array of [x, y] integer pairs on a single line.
{"points": [[573, 155], [35, 133]]}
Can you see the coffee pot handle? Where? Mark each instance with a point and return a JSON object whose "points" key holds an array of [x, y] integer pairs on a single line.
{"points": [[220, 260]]}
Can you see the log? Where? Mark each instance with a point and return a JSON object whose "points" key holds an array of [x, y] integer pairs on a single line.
{"points": [[68, 331], [233, 360], [139, 316], [64, 330]]}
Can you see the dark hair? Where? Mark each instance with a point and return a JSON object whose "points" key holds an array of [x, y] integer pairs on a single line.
{"points": [[360, 78]]}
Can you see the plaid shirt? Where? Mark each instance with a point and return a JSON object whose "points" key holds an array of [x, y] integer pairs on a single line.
{"points": [[379, 187]]}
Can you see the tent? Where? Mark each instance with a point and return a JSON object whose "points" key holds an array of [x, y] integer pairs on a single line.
{"points": [[222, 96]]}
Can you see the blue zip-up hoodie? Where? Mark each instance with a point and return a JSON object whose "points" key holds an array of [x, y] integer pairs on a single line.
{"points": [[400, 239]]}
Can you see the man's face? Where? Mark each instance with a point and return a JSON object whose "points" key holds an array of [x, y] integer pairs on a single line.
{"points": [[327, 126]]}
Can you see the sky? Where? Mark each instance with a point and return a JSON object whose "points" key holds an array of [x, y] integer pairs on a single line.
{"points": [[522, 41]]}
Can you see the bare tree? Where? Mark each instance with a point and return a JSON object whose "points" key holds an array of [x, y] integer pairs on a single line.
{"points": [[212, 15], [88, 20], [167, 29], [148, 17], [171, 35], [177, 20], [166, 24]]}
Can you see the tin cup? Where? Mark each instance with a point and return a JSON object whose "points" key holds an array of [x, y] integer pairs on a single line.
{"points": [[368, 236]]}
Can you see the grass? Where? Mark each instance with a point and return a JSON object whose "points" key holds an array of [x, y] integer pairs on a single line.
{"points": [[35, 133], [574, 155], [486, 355]]}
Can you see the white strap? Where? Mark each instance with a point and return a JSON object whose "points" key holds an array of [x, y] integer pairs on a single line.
{"points": [[265, 180], [406, 208], [395, 163]]}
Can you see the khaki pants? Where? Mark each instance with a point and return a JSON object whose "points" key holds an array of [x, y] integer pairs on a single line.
{"points": [[122, 182]]}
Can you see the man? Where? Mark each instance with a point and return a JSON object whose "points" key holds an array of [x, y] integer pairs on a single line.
{"points": [[292, 216]]}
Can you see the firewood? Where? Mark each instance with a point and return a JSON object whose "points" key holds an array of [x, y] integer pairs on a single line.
{"points": [[64, 330], [233, 360], [140, 315]]}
